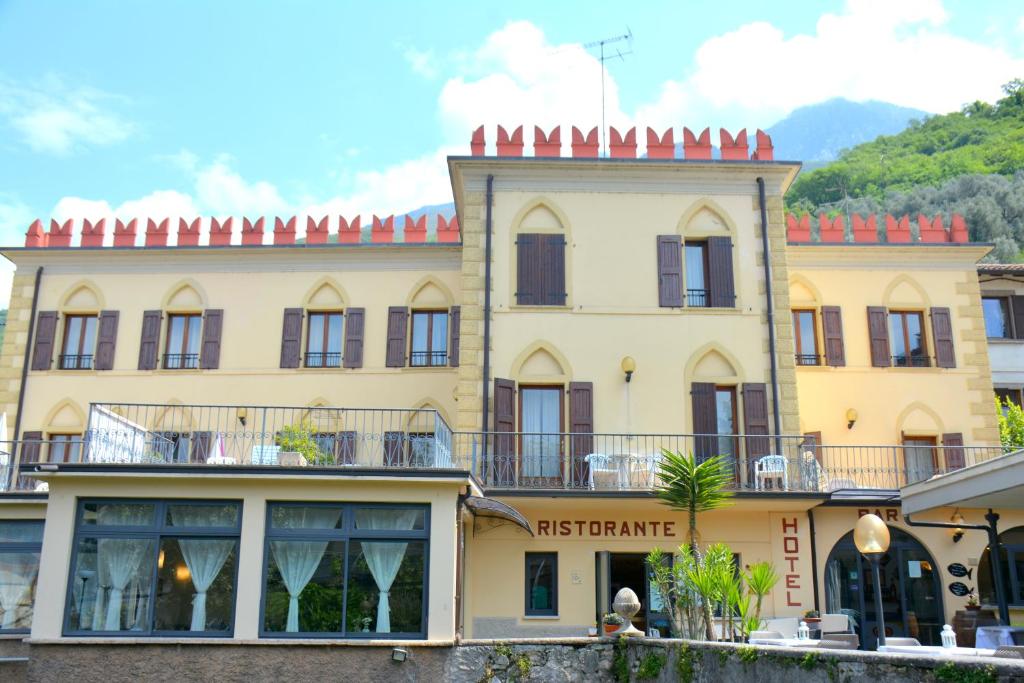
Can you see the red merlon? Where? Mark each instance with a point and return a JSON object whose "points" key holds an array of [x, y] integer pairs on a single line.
{"points": [[415, 231], [765, 151], [382, 232], [931, 230], [124, 233], [694, 147], [510, 147], [584, 148], [831, 230], [660, 148], [59, 235], [623, 148], [476, 143], [447, 230], [316, 232], [798, 230], [349, 233], [220, 233], [897, 232], [958, 229], [188, 233], [35, 237], [92, 233], [156, 233], [549, 146], [865, 231], [252, 232], [284, 232], [734, 149]]}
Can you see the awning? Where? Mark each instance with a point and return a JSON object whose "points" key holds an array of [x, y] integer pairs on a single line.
{"points": [[489, 507], [997, 483]]}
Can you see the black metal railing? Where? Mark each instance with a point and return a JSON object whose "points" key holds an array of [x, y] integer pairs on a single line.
{"points": [[911, 361], [329, 359], [697, 298], [181, 361], [419, 359], [71, 361], [808, 359]]}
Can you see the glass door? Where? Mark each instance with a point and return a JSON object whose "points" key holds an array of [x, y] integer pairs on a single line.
{"points": [[921, 608], [540, 411]]}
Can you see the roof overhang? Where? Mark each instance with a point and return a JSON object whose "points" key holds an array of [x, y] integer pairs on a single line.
{"points": [[489, 507], [997, 483]]}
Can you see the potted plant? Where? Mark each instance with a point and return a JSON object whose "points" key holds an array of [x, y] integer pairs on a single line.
{"points": [[972, 602], [811, 617], [612, 623], [298, 446]]}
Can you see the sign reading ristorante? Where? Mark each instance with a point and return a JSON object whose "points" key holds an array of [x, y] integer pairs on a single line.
{"points": [[606, 528]]}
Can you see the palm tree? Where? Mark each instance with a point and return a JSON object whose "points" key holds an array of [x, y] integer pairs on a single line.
{"points": [[691, 487]]}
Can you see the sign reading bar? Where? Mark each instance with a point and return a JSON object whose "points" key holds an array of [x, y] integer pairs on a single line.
{"points": [[605, 528]]}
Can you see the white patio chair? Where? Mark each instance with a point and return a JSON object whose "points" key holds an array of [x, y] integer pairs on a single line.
{"points": [[265, 455], [771, 468], [903, 642], [604, 471], [785, 625], [644, 470], [834, 623]]}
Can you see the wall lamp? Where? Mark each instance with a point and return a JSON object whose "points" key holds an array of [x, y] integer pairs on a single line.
{"points": [[851, 417], [241, 414], [957, 519], [628, 366]]}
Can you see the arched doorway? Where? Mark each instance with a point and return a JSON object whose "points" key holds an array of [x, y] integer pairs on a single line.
{"points": [[911, 590], [1011, 546]]}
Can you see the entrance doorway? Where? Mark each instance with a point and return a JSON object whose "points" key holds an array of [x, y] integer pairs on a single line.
{"points": [[616, 571], [911, 590]]}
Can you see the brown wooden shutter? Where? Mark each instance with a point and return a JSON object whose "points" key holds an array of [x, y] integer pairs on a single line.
{"points": [[581, 426], [31, 447], [503, 466], [106, 340], [722, 288], [42, 347], [149, 346], [755, 421], [213, 324], [200, 445], [942, 333], [705, 420], [878, 333], [291, 338], [670, 271], [553, 269], [528, 270], [454, 332], [832, 332], [1017, 308], [812, 442], [353, 354], [953, 450], [398, 323], [345, 448], [394, 449]]}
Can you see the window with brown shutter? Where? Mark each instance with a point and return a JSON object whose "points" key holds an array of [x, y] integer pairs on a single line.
{"points": [[528, 270], [695, 256], [670, 271], [31, 447], [181, 351], [553, 266], [429, 339], [291, 338], [503, 463], [581, 426], [942, 334], [721, 284], [213, 325], [705, 420], [354, 323], [78, 350], [805, 337], [324, 339], [42, 346], [907, 341], [755, 421], [832, 332], [398, 319], [540, 269], [106, 342], [953, 451], [878, 334], [149, 346], [453, 343]]}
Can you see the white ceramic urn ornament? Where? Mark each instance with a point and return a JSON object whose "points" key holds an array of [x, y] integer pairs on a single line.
{"points": [[626, 605]]}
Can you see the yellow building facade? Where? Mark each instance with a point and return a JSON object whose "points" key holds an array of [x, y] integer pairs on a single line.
{"points": [[399, 439]]}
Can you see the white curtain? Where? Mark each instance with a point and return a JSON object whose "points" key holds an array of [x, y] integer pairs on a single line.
{"points": [[541, 453], [122, 559], [298, 560], [204, 557], [832, 587], [17, 575], [384, 559]]}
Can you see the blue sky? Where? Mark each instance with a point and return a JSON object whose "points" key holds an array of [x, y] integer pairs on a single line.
{"points": [[252, 108]]}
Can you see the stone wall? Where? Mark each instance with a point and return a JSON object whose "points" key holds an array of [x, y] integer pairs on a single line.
{"points": [[566, 660]]}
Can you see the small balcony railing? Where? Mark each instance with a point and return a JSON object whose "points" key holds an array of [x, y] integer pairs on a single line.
{"points": [[428, 359], [808, 359], [911, 361], [181, 361], [697, 298], [68, 361], [328, 359]]}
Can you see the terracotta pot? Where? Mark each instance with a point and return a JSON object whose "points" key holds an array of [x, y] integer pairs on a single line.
{"points": [[609, 629]]}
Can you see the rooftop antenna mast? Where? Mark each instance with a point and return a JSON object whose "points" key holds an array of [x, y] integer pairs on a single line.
{"points": [[627, 36]]}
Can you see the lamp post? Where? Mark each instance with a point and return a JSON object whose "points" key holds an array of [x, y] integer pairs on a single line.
{"points": [[871, 536]]}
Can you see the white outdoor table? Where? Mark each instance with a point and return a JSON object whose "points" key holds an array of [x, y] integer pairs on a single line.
{"points": [[996, 636], [937, 650], [784, 642]]}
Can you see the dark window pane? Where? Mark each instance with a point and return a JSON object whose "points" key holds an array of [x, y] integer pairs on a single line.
{"points": [[195, 584], [996, 318], [725, 406], [385, 587], [389, 519], [304, 587], [541, 583], [315, 517], [18, 572], [896, 337], [16, 531], [696, 275], [119, 514], [203, 515], [111, 585]]}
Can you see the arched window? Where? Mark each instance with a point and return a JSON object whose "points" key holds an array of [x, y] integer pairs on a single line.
{"points": [[1011, 553]]}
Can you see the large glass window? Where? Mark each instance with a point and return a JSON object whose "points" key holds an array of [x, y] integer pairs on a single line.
{"points": [[20, 544], [323, 341], [540, 417], [541, 584], [79, 342], [906, 334], [144, 567], [183, 337], [1011, 545], [65, 447], [997, 317], [345, 570], [429, 339], [805, 338], [696, 254]]}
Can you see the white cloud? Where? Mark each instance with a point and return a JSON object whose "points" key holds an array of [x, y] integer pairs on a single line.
{"points": [[54, 118], [221, 190], [421, 62], [15, 217]]}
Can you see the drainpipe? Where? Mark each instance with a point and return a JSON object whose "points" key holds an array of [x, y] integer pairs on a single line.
{"points": [[776, 418], [28, 353], [814, 558], [994, 554], [487, 310]]}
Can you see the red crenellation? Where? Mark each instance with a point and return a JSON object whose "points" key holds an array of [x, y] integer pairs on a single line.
{"points": [[188, 233], [510, 146], [447, 230], [416, 230], [622, 147], [660, 148], [798, 230], [476, 143], [382, 231], [584, 148], [547, 145], [764, 151], [92, 233], [350, 232], [220, 233], [897, 231], [35, 237], [831, 230], [317, 231], [284, 231], [733, 149], [865, 229], [156, 233], [125, 233], [695, 147], [252, 231]]}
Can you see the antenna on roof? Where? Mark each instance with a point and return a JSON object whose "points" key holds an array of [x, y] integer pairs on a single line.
{"points": [[627, 36]]}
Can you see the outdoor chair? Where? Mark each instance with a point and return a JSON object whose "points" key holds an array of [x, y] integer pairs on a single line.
{"points": [[785, 625], [1010, 652], [766, 635], [903, 642], [834, 623], [831, 644], [265, 455], [851, 639], [771, 468]]}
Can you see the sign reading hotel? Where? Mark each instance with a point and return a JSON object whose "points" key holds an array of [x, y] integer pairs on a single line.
{"points": [[581, 528]]}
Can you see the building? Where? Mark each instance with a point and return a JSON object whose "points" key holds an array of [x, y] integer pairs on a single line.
{"points": [[376, 434]]}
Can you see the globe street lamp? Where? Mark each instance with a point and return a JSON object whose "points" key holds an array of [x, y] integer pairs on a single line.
{"points": [[871, 536]]}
